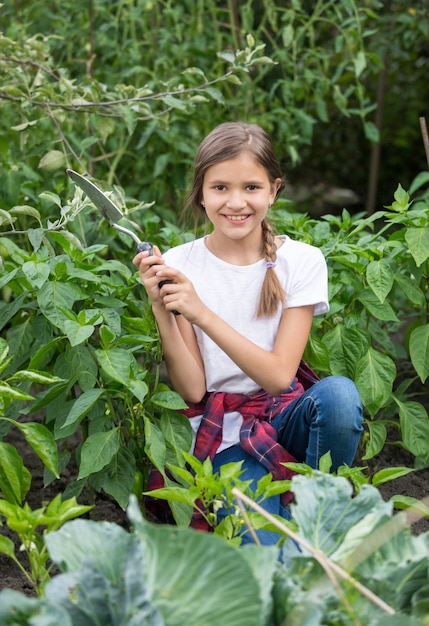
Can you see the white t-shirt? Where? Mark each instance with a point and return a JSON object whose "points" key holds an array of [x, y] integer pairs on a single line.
{"points": [[232, 291]]}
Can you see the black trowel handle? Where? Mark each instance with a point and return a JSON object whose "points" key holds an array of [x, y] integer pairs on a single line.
{"points": [[145, 246]]}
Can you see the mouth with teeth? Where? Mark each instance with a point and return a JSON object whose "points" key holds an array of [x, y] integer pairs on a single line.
{"points": [[236, 218]]}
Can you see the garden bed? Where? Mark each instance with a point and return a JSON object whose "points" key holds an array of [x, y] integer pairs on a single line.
{"points": [[415, 484]]}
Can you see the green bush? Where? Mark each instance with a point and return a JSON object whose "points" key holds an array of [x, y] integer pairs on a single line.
{"points": [[127, 91], [86, 357], [377, 330]]}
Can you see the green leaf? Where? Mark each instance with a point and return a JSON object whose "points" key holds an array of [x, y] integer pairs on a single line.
{"points": [[175, 103], [371, 131], [15, 479], [107, 337], [382, 311], [419, 351], [177, 585], [177, 432], [7, 547], [389, 473], [42, 442], [345, 347], [44, 398], [117, 477], [340, 100], [375, 374], [51, 197], [112, 320], [414, 422], [67, 241], [105, 543], [106, 581], [82, 406], [97, 452], [174, 494], [116, 363], [418, 243], [226, 55], [287, 36], [14, 394], [410, 289], [419, 181], [377, 438], [215, 94], [154, 444], [26, 210], [42, 355], [52, 160], [53, 298], [139, 389], [60, 511], [35, 376], [316, 353], [84, 367], [380, 278], [76, 332], [36, 237], [325, 462], [326, 511], [8, 277], [359, 63], [129, 116], [407, 502], [168, 400], [402, 199], [4, 351], [396, 570], [36, 273]]}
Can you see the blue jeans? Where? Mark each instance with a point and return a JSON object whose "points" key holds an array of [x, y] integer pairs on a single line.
{"points": [[327, 417]]}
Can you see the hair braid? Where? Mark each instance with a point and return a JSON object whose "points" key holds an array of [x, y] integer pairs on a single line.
{"points": [[272, 293]]}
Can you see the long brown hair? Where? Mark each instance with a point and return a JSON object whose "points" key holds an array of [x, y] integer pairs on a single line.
{"points": [[227, 141]]}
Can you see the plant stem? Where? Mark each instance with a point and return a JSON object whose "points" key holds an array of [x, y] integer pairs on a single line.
{"points": [[425, 137]]}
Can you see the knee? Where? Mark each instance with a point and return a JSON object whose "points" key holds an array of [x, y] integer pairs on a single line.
{"points": [[342, 396], [339, 387]]}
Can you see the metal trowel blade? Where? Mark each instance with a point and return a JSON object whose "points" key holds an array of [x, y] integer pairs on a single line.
{"points": [[108, 209]]}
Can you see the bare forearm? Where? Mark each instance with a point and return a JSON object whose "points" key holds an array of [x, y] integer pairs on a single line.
{"points": [[272, 371]]}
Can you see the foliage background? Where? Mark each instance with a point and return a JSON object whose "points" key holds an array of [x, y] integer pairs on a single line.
{"points": [[333, 63], [125, 91]]}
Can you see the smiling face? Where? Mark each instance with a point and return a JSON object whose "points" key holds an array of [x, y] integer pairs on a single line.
{"points": [[236, 194]]}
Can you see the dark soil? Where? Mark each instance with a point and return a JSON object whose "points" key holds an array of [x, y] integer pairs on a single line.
{"points": [[415, 484]]}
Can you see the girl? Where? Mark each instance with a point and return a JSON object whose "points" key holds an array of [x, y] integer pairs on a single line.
{"points": [[247, 299]]}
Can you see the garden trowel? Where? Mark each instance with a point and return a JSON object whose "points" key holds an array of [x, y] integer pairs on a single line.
{"points": [[111, 213], [107, 208]]}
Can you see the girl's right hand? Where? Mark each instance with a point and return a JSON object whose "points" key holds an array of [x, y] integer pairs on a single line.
{"points": [[148, 265]]}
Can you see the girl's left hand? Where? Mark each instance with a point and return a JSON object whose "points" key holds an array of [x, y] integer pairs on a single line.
{"points": [[180, 295]]}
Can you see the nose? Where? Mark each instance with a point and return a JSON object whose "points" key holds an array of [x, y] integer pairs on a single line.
{"points": [[236, 200]]}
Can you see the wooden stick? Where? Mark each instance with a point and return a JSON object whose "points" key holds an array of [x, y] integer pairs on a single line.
{"points": [[320, 556], [425, 137]]}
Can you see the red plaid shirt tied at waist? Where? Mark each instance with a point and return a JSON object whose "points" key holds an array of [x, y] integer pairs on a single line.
{"points": [[257, 436]]}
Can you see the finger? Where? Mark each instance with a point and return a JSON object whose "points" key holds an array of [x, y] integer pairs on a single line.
{"points": [[139, 257], [157, 251], [170, 273]]}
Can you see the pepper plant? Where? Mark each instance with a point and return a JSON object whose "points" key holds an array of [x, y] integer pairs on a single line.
{"points": [[74, 316], [377, 330], [75, 313]]}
